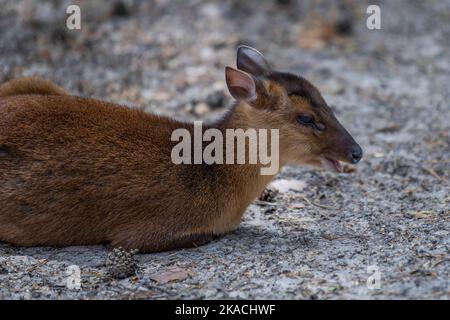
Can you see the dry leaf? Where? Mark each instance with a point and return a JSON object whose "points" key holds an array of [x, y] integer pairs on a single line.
{"points": [[170, 275], [285, 185], [297, 206], [422, 214]]}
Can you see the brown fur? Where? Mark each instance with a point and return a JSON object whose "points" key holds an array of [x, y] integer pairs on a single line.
{"points": [[76, 171], [81, 171], [31, 85]]}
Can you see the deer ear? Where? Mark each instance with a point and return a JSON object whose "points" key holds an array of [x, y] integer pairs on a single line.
{"points": [[252, 61], [241, 85]]}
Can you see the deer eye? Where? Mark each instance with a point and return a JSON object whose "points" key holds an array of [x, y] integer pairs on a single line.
{"points": [[305, 120], [309, 121]]}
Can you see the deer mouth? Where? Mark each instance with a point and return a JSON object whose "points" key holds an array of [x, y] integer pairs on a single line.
{"points": [[332, 164]]}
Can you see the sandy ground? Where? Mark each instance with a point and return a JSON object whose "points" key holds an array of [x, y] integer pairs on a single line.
{"points": [[323, 235]]}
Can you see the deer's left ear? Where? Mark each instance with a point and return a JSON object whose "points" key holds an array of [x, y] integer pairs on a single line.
{"points": [[252, 61], [241, 85]]}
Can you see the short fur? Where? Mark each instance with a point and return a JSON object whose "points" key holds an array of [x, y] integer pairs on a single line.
{"points": [[31, 85]]}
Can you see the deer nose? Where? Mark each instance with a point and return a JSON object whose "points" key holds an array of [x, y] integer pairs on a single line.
{"points": [[356, 154]]}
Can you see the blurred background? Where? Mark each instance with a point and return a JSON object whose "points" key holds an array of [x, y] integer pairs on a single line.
{"points": [[390, 88]]}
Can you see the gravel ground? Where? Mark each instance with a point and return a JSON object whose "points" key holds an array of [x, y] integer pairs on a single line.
{"points": [[321, 235]]}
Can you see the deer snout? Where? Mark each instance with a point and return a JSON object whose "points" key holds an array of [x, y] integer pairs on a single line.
{"points": [[350, 151], [356, 154]]}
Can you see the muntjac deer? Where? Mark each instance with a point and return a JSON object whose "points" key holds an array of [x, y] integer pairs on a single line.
{"points": [[78, 171]]}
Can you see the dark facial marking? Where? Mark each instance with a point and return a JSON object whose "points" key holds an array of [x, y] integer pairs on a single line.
{"points": [[296, 85]]}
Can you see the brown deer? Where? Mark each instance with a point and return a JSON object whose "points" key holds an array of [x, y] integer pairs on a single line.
{"points": [[78, 171]]}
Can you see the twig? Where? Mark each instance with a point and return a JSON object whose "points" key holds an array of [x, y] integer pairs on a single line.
{"points": [[440, 261], [433, 173], [331, 237], [316, 204], [264, 203]]}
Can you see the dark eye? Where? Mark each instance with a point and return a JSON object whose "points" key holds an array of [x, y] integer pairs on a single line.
{"points": [[309, 121], [306, 120]]}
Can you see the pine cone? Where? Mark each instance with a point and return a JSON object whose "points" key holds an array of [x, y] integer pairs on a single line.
{"points": [[121, 263]]}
